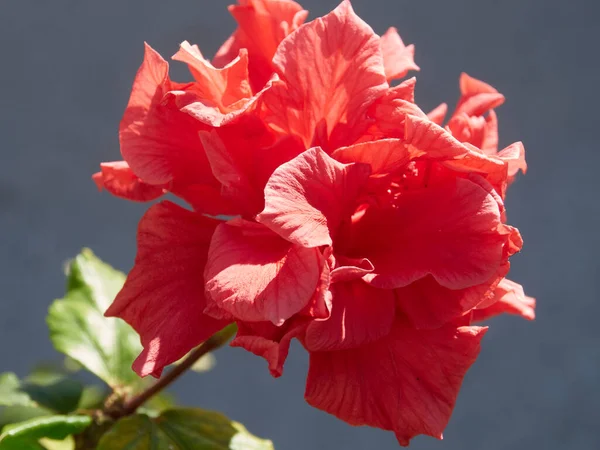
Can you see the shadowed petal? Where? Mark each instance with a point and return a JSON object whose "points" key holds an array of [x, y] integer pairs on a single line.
{"points": [[406, 382], [360, 314], [429, 305], [450, 231], [269, 341], [163, 297]]}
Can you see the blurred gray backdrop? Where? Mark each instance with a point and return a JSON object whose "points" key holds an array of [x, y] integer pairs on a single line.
{"points": [[67, 68]]}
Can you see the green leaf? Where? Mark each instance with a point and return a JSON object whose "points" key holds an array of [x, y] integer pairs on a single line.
{"points": [[78, 328], [31, 431], [60, 395], [10, 392], [181, 429], [21, 444], [14, 414]]}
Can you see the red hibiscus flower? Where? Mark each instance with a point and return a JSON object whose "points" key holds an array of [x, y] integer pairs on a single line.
{"points": [[353, 222]]}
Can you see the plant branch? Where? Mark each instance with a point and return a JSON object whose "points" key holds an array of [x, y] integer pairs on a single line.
{"points": [[214, 342]]}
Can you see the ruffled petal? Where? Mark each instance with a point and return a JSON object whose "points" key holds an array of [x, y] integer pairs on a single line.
{"points": [[118, 179], [470, 86], [509, 298], [191, 101], [307, 198], [263, 24], [398, 58], [349, 269], [243, 155], [269, 341], [489, 143], [493, 169], [514, 155], [388, 114], [159, 142], [333, 70], [424, 135], [163, 297], [438, 114], [406, 382], [255, 275], [383, 155], [360, 314], [222, 88], [429, 305], [477, 97], [450, 231]]}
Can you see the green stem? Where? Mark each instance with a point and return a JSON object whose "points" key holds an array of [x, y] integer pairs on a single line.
{"points": [[214, 342]]}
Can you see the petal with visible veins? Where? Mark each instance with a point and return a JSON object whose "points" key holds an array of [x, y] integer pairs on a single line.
{"points": [[360, 314], [255, 275], [450, 231], [398, 58], [307, 198], [333, 70], [163, 297], [406, 382]]}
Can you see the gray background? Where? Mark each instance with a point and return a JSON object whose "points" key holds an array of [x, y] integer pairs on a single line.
{"points": [[67, 67]]}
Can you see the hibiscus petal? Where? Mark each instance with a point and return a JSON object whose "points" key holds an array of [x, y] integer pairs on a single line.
{"points": [[118, 179], [492, 168], [243, 155], [509, 299], [429, 305], [424, 135], [450, 231], [438, 114], [307, 198], [205, 199], [269, 341], [477, 97], [163, 297], [255, 275], [360, 314], [470, 86], [319, 306], [479, 104], [406, 382], [333, 70], [388, 113], [221, 87], [398, 58], [514, 155], [384, 155], [159, 142], [348, 269], [263, 24]]}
